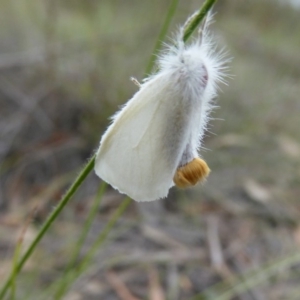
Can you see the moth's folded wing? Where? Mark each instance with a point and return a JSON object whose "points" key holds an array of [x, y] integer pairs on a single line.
{"points": [[139, 152]]}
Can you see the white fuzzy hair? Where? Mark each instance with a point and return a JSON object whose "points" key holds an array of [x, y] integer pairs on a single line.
{"points": [[161, 127]]}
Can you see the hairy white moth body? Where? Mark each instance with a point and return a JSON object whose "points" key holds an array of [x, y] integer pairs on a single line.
{"points": [[154, 139]]}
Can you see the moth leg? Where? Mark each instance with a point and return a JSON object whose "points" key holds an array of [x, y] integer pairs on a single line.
{"points": [[135, 81]]}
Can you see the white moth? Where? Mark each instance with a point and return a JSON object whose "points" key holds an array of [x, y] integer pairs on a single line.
{"points": [[154, 139]]}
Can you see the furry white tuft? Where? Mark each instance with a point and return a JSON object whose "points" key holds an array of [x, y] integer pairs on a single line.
{"points": [[154, 139]]}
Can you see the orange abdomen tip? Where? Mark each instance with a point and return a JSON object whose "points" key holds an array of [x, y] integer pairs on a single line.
{"points": [[191, 173]]}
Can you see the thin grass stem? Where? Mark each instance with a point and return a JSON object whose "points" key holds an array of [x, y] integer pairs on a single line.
{"points": [[161, 36], [88, 223], [86, 228], [198, 18], [74, 274], [71, 191], [14, 272], [249, 281]]}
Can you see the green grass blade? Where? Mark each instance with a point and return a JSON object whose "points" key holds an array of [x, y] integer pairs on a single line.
{"points": [[65, 199], [14, 270], [198, 18], [88, 223], [249, 281], [161, 35], [74, 274], [63, 284]]}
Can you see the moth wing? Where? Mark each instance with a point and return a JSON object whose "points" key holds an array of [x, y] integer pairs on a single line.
{"points": [[140, 151]]}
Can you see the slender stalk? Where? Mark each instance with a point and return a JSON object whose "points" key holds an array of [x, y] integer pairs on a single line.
{"points": [[71, 276], [161, 36], [64, 282], [251, 280], [198, 18], [88, 224], [14, 272], [71, 191]]}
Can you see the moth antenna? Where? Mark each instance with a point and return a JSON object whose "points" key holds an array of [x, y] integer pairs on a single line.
{"points": [[135, 81], [187, 24], [201, 30], [190, 20]]}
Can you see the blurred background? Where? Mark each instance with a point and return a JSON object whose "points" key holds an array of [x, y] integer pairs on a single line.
{"points": [[65, 67]]}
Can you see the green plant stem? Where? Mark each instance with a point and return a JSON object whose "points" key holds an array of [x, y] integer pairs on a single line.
{"points": [[71, 191], [198, 18], [14, 272], [87, 225], [161, 36], [249, 281], [90, 254], [86, 228]]}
